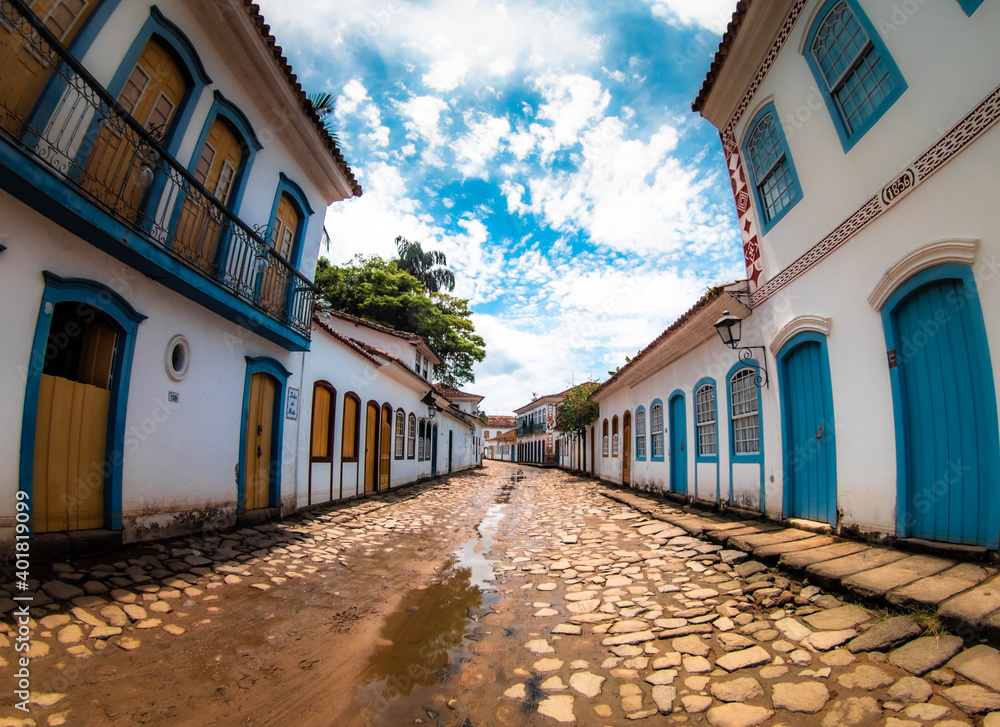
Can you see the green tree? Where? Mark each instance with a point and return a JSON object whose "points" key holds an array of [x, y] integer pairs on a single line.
{"points": [[322, 103], [430, 267], [577, 410], [378, 291]]}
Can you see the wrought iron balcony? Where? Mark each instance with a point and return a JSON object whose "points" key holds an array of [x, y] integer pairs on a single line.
{"points": [[525, 430], [53, 110]]}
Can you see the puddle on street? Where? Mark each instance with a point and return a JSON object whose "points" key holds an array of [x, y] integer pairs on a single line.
{"points": [[430, 633]]}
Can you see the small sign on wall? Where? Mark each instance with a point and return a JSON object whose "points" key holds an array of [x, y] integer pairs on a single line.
{"points": [[292, 406]]}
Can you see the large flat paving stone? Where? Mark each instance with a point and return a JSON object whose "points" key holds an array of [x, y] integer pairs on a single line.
{"points": [[835, 619], [828, 573], [801, 560], [979, 664], [926, 653], [875, 582], [972, 606], [749, 542], [765, 552], [936, 588]]}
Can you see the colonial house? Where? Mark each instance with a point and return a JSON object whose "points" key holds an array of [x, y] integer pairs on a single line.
{"points": [[501, 446], [536, 430], [376, 421], [494, 427], [163, 179], [861, 140]]}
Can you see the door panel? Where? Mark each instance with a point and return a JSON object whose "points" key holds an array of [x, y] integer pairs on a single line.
{"points": [[678, 446], [385, 459], [259, 456], [946, 486], [627, 452], [152, 94], [275, 280], [26, 66], [199, 225], [810, 451], [371, 442]]}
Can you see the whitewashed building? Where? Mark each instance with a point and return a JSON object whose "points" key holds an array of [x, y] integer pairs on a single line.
{"points": [[862, 143], [536, 430], [163, 188], [495, 446]]}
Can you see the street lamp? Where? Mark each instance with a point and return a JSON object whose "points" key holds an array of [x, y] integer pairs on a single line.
{"points": [[730, 331], [431, 411]]}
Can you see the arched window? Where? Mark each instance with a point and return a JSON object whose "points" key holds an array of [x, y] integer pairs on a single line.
{"points": [[656, 430], [324, 399], [400, 452], [349, 436], [704, 403], [614, 436], [744, 411], [604, 440], [411, 436], [640, 433], [775, 183], [421, 455], [853, 68]]}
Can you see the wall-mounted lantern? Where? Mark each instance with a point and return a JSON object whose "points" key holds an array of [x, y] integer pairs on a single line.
{"points": [[730, 331]]}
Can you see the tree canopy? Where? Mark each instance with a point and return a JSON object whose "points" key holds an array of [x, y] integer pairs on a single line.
{"points": [[379, 291], [577, 409], [430, 267]]}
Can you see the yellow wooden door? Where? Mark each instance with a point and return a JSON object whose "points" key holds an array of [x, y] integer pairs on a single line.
{"points": [[199, 225], [71, 437], [385, 444], [371, 440], [275, 281], [27, 62], [257, 458], [114, 172]]}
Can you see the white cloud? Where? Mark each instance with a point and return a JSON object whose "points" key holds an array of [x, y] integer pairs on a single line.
{"points": [[480, 145], [354, 100], [423, 119], [713, 15], [446, 75], [572, 103]]}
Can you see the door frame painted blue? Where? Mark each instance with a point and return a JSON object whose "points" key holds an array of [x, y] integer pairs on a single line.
{"points": [[434, 450], [678, 457], [125, 320], [758, 457], [986, 424], [826, 384], [708, 458], [264, 365]]}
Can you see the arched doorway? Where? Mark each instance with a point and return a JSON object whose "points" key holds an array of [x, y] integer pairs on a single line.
{"points": [[372, 430], [627, 448], [678, 447]]}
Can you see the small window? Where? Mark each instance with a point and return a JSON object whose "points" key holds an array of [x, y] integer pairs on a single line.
{"points": [[322, 423], [744, 412], [859, 79], [349, 438], [775, 184], [400, 434], [604, 440], [411, 436], [704, 401], [614, 436], [640, 433], [656, 429]]}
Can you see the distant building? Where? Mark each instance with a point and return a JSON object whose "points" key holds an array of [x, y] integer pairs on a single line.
{"points": [[536, 430], [494, 427]]}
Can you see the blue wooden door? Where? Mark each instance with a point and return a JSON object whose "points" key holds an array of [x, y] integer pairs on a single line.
{"points": [[678, 446], [943, 410], [434, 450], [810, 448]]}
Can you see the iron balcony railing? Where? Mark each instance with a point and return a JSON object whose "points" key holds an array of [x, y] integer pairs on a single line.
{"points": [[525, 430], [53, 109]]}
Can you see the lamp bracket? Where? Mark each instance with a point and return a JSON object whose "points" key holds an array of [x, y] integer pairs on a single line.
{"points": [[746, 354]]}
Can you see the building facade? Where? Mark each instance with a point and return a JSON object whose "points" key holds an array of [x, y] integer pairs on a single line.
{"points": [[861, 139], [536, 430], [161, 226], [495, 427]]}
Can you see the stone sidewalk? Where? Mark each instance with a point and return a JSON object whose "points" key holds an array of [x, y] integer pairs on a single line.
{"points": [[966, 596]]}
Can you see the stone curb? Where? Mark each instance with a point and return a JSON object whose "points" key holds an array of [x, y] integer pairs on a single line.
{"points": [[966, 596]]}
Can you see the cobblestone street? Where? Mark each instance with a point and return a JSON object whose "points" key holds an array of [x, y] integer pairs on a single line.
{"points": [[477, 601]]}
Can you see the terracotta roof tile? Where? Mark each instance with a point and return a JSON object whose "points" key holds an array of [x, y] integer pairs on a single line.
{"points": [[720, 55]]}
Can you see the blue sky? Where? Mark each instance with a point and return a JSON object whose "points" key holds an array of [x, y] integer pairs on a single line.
{"points": [[548, 148]]}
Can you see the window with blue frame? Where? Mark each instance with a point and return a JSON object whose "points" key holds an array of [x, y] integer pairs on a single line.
{"points": [[776, 186], [744, 411], [640, 433], [656, 429], [969, 6], [708, 440], [854, 69]]}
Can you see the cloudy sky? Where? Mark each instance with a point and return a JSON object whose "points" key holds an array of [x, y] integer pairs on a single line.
{"points": [[548, 148]]}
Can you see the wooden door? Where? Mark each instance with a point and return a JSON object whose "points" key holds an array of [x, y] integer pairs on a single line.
{"points": [[627, 449], [200, 224], [946, 415], [385, 454], [678, 445], [114, 172], [275, 279], [810, 450], [259, 455], [27, 62], [71, 427], [434, 450], [371, 447]]}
